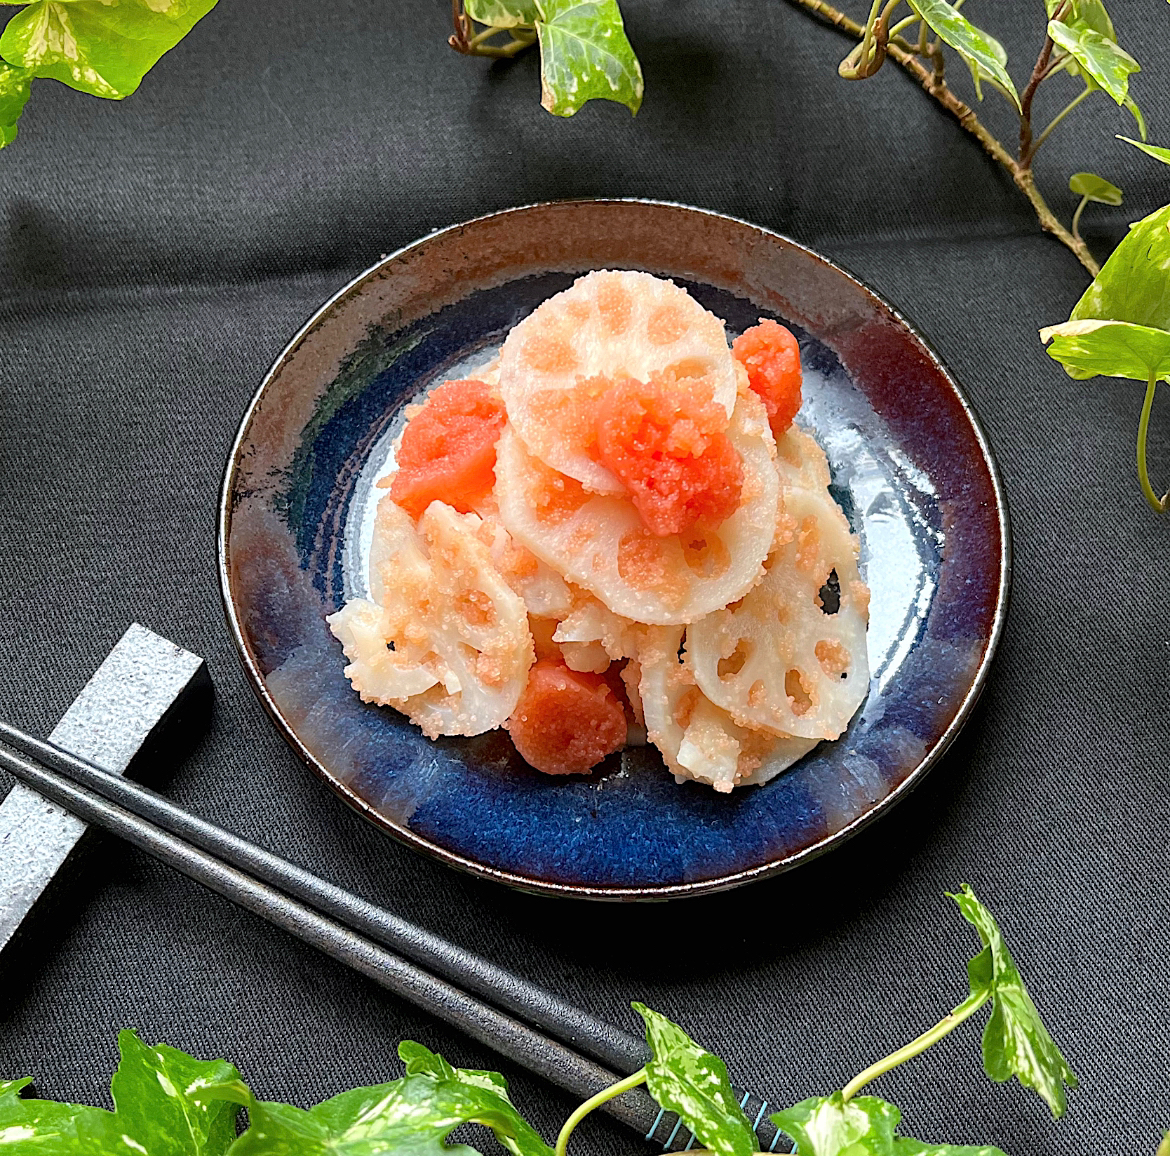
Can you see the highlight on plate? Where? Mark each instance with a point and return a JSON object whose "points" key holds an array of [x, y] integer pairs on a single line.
{"points": [[616, 533]]}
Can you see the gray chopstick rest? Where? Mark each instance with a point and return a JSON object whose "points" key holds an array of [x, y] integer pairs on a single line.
{"points": [[147, 692]]}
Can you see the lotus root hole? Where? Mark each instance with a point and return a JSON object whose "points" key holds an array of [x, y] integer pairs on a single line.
{"points": [[706, 555], [688, 367], [666, 325], [549, 354], [797, 692], [641, 561], [829, 596], [475, 608], [733, 664], [833, 657], [616, 307]]}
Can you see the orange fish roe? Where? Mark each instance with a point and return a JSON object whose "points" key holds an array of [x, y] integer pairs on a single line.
{"points": [[566, 722], [448, 450], [664, 440], [771, 357]]}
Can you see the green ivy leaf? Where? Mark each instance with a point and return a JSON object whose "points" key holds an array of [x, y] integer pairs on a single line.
{"points": [[585, 55], [1095, 188], [685, 1078], [476, 1096], [162, 1100], [968, 41], [1155, 151], [1090, 13], [865, 1126], [1102, 58], [503, 13], [1015, 1041], [40, 1125], [1164, 1147], [103, 47], [408, 1117], [14, 90]]}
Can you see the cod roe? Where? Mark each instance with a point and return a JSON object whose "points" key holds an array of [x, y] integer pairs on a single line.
{"points": [[566, 721], [448, 449], [665, 441], [771, 357]]}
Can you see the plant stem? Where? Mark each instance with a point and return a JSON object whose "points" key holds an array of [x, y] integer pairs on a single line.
{"points": [[1077, 217], [965, 115], [602, 1097], [1156, 503], [947, 1024], [1056, 120], [1038, 73]]}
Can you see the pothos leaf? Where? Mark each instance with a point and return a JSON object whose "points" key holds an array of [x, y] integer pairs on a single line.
{"points": [[685, 1078], [1164, 1147], [1095, 188], [14, 90], [950, 25], [1094, 348], [1015, 1041], [503, 13], [103, 47], [1155, 151], [585, 55], [863, 1126], [1134, 284], [1102, 58]]}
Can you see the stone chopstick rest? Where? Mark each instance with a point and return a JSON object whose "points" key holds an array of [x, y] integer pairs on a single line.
{"points": [[148, 696]]}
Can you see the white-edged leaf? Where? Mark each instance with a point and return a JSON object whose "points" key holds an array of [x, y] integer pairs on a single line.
{"points": [[951, 26], [1103, 59]]}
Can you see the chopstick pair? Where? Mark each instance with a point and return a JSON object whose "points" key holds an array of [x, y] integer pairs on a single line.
{"points": [[488, 1003]]}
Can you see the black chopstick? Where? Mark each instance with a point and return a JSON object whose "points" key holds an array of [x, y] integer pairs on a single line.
{"points": [[540, 1008], [270, 886], [502, 1033]]}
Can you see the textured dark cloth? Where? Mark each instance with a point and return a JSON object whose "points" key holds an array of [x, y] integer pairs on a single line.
{"points": [[157, 255]]}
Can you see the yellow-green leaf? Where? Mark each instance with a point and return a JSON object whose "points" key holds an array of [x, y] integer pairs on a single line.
{"points": [[103, 47], [1095, 188], [1093, 348], [1155, 151], [14, 89]]}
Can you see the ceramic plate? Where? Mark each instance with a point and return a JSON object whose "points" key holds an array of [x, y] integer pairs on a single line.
{"points": [[911, 468]]}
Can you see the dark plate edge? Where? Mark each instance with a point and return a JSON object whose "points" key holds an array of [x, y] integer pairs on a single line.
{"points": [[581, 891]]}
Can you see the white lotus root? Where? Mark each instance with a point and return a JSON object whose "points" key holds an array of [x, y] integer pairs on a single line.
{"points": [[697, 739], [449, 646], [777, 660], [601, 543], [558, 361]]}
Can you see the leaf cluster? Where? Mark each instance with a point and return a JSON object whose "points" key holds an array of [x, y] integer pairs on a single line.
{"points": [[167, 1103], [103, 47]]}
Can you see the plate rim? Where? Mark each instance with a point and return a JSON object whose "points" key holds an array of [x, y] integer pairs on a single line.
{"points": [[624, 893]]}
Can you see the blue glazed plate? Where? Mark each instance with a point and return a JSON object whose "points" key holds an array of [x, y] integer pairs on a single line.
{"points": [[911, 468]]}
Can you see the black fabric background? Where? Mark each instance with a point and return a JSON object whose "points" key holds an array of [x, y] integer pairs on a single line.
{"points": [[156, 256]]}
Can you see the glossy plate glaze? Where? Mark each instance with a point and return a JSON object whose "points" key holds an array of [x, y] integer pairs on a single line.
{"points": [[911, 468]]}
